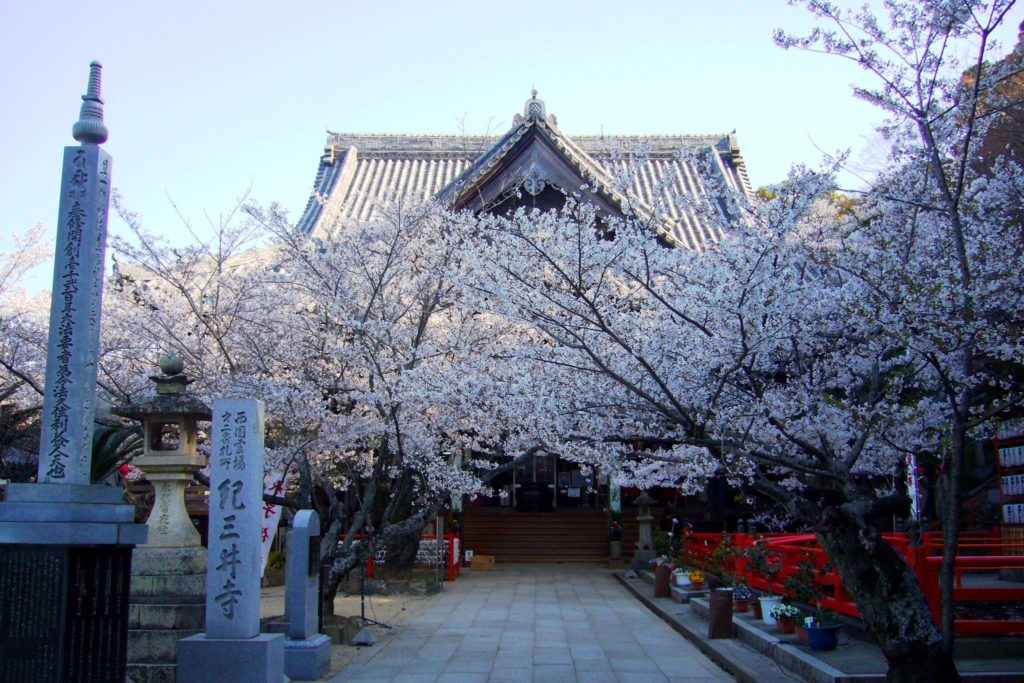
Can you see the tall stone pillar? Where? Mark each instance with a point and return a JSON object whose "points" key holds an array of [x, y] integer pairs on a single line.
{"points": [[232, 647], [65, 543]]}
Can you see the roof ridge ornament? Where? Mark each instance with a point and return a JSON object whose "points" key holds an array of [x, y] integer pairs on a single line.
{"points": [[534, 110], [90, 129]]}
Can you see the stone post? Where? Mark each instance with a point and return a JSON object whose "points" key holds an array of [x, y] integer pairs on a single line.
{"points": [[65, 544], [232, 648], [307, 653]]}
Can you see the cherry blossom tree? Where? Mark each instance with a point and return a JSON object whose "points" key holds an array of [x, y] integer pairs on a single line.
{"points": [[22, 345], [820, 341], [375, 380]]}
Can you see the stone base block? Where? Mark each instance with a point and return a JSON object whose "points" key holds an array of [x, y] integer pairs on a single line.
{"points": [[148, 561], [169, 586], [231, 660], [156, 646], [151, 673], [63, 514], [307, 660], [168, 616]]}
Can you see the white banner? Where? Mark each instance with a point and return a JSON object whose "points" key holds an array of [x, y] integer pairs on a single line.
{"points": [[912, 487], [273, 485]]}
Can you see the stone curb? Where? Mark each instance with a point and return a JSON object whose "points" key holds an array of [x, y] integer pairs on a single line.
{"points": [[742, 671], [767, 651]]}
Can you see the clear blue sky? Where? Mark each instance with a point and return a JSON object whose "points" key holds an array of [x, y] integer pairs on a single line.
{"points": [[206, 99]]}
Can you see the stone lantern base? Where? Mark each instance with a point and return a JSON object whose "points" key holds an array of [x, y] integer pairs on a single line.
{"points": [[168, 603]]}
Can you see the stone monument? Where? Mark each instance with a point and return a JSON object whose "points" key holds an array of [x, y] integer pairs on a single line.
{"points": [[168, 594], [645, 545], [232, 647], [307, 652], [66, 544]]}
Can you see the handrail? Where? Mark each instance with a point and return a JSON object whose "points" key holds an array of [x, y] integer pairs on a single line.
{"points": [[791, 549]]}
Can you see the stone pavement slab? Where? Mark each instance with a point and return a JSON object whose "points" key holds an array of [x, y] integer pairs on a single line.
{"points": [[543, 623]]}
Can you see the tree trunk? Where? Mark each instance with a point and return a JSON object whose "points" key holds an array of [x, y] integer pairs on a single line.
{"points": [[890, 601], [402, 550], [950, 515]]}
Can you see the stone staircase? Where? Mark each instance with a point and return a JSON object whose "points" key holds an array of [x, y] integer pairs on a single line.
{"points": [[559, 536]]}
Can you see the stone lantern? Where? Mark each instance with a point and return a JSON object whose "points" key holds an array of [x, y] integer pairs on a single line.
{"points": [[169, 458], [168, 589], [645, 545]]}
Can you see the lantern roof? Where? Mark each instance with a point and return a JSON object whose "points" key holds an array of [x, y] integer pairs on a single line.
{"points": [[172, 398]]}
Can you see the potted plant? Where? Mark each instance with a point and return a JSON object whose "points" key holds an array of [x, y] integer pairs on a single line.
{"points": [[785, 616], [679, 576], [822, 631], [696, 578], [615, 537], [741, 597], [766, 562], [718, 563]]}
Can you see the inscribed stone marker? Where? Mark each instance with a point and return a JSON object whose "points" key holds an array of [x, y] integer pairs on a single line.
{"points": [[303, 576], [65, 446], [236, 517]]}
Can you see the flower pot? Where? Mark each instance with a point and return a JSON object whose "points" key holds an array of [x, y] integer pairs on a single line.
{"points": [[801, 633], [697, 585], [755, 607], [823, 637], [680, 579], [740, 605], [767, 602], [785, 624]]}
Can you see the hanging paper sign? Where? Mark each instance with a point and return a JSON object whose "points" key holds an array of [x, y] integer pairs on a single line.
{"points": [[273, 486], [912, 487]]}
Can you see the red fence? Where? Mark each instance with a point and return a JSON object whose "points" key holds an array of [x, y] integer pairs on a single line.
{"points": [[978, 553]]}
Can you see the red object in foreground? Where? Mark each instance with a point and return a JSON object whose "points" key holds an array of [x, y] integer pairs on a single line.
{"points": [[978, 552]]}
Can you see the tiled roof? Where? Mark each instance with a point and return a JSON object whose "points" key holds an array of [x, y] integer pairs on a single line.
{"points": [[359, 172]]}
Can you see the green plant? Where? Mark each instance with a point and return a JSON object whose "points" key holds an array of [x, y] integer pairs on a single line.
{"points": [[275, 560], [824, 617], [803, 584], [763, 560], [718, 563]]}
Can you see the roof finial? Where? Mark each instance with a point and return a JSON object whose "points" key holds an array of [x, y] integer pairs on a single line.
{"points": [[89, 129], [534, 108]]}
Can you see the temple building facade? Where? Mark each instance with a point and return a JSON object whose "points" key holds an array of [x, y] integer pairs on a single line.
{"points": [[549, 510]]}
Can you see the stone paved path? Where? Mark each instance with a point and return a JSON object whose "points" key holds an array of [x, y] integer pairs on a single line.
{"points": [[547, 624]]}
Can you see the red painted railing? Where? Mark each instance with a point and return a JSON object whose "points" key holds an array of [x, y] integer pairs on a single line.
{"points": [[978, 552]]}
